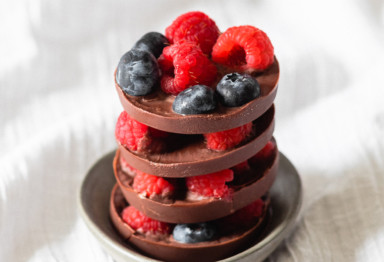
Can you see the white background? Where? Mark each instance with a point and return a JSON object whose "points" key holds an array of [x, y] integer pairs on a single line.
{"points": [[58, 109]]}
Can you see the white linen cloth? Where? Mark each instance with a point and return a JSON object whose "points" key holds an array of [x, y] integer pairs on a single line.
{"points": [[58, 109]]}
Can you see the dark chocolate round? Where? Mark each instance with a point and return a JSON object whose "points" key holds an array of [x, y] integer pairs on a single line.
{"points": [[186, 211], [170, 250], [194, 158], [155, 109]]}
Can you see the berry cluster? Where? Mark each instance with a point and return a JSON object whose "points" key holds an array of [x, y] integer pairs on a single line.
{"points": [[184, 62], [190, 54]]}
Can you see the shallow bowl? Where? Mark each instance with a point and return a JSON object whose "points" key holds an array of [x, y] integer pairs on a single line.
{"points": [[94, 195]]}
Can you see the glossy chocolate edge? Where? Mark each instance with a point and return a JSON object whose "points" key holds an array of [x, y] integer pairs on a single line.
{"points": [[173, 251], [212, 162], [203, 210], [229, 118]]}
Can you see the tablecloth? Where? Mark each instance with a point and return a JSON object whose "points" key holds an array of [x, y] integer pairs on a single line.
{"points": [[58, 109]]}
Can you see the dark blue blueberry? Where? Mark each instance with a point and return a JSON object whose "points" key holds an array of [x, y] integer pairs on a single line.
{"points": [[152, 42], [137, 73], [236, 89], [194, 233], [198, 99]]}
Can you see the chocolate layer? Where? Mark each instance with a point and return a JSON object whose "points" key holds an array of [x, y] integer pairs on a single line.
{"points": [[155, 109], [186, 211], [195, 159], [170, 250]]}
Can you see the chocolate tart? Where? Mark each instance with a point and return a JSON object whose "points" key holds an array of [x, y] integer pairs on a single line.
{"points": [[155, 109], [194, 158], [170, 250], [181, 210]]}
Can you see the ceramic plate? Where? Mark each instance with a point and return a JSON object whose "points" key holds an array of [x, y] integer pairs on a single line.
{"points": [[286, 194]]}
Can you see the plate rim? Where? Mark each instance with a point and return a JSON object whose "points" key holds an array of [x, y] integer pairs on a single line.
{"points": [[282, 230]]}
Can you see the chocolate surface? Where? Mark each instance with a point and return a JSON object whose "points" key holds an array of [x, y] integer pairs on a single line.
{"points": [[195, 159], [155, 109], [170, 250], [187, 211]]}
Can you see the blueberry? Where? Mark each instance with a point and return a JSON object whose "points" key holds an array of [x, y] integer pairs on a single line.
{"points": [[137, 73], [197, 99], [152, 42], [236, 89], [194, 233]]}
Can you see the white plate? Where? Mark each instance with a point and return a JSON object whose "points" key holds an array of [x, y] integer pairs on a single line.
{"points": [[286, 195]]}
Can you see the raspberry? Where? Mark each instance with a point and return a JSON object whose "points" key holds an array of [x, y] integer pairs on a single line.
{"points": [[184, 65], [211, 185], [246, 215], [150, 185], [245, 47], [131, 133], [137, 136], [229, 138], [127, 168], [194, 27], [143, 224], [240, 168], [264, 154], [253, 210]]}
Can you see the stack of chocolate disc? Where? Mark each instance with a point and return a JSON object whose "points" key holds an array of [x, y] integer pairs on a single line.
{"points": [[191, 157]]}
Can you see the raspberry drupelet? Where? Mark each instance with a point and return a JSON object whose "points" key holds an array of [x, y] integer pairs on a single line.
{"points": [[265, 154], [143, 224], [228, 139], [211, 185], [150, 185], [194, 27], [244, 47], [137, 136], [184, 65]]}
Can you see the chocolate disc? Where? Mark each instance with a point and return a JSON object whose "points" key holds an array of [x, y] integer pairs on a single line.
{"points": [[170, 250], [187, 211], [155, 109], [194, 158]]}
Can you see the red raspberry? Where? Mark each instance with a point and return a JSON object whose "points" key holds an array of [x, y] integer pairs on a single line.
{"points": [[211, 185], [229, 138], [184, 65], [246, 215], [264, 154], [127, 168], [137, 136], [194, 27], [254, 209], [245, 47], [150, 185], [240, 168], [143, 224]]}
